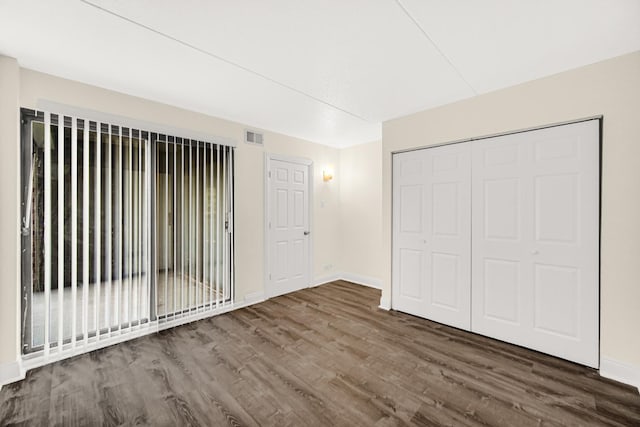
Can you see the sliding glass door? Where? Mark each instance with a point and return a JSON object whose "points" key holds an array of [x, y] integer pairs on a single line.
{"points": [[192, 204], [122, 230]]}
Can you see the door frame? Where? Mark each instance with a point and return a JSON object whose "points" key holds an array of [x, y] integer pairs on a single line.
{"points": [[268, 157]]}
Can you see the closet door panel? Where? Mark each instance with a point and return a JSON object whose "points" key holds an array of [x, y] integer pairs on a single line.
{"points": [[409, 176], [499, 224], [535, 240], [431, 226], [565, 251], [448, 261]]}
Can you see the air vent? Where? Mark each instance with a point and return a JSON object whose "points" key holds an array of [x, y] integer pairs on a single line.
{"points": [[251, 137]]}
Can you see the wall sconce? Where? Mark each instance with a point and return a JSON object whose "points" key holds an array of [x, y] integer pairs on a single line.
{"points": [[327, 175]]}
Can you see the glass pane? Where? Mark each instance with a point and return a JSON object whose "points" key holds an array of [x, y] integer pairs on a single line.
{"points": [[108, 228], [187, 205], [37, 230]]}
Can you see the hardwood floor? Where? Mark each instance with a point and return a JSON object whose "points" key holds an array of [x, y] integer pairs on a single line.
{"points": [[321, 356]]}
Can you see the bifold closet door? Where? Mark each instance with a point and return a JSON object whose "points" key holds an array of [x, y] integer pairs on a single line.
{"points": [[431, 234], [535, 262]]}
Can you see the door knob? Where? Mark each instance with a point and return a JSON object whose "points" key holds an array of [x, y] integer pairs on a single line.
{"points": [[306, 233], [535, 252]]}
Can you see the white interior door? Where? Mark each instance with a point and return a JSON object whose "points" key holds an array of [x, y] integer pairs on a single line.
{"points": [[535, 269], [431, 234], [287, 226]]}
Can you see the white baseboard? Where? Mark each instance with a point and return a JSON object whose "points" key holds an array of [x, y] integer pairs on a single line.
{"points": [[317, 281], [620, 371], [385, 303], [250, 299], [371, 282], [11, 372]]}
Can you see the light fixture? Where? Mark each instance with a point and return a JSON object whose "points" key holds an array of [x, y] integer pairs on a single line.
{"points": [[327, 175]]}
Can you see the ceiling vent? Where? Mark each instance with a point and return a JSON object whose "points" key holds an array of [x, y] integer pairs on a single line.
{"points": [[251, 137]]}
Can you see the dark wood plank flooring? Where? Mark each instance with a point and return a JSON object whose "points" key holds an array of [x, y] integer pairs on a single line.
{"points": [[321, 356]]}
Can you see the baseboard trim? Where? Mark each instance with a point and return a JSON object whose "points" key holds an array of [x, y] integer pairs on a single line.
{"points": [[317, 281], [250, 299], [385, 303], [370, 282], [11, 372], [620, 371]]}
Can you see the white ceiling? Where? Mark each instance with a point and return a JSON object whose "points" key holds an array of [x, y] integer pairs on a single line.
{"points": [[328, 71]]}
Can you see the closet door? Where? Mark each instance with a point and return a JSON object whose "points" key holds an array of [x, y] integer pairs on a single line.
{"points": [[431, 234], [535, 240]]}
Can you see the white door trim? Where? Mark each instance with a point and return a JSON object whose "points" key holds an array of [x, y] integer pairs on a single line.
{"points": [[493, 135], [268, 157]]}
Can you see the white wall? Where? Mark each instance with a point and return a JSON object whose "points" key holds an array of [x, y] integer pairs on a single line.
{"points": [[610, 88], [9, 214], [360, 181], [22, 87]]}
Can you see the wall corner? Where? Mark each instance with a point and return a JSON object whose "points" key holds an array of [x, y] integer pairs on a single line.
{"points": [[10, 214]]}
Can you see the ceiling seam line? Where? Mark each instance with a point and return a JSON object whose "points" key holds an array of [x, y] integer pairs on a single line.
{"points": [[426, 35], [213, 55]]}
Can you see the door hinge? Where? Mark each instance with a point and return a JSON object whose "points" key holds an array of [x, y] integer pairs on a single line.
{"points": [[269, 276], [269, 174]]}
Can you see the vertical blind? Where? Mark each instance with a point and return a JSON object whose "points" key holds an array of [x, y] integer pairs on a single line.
{"points": [[124, 231]]}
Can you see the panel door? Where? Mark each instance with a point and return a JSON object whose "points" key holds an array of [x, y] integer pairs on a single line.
{"points": [[535, 240], [431, 234], [288, 227]]}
